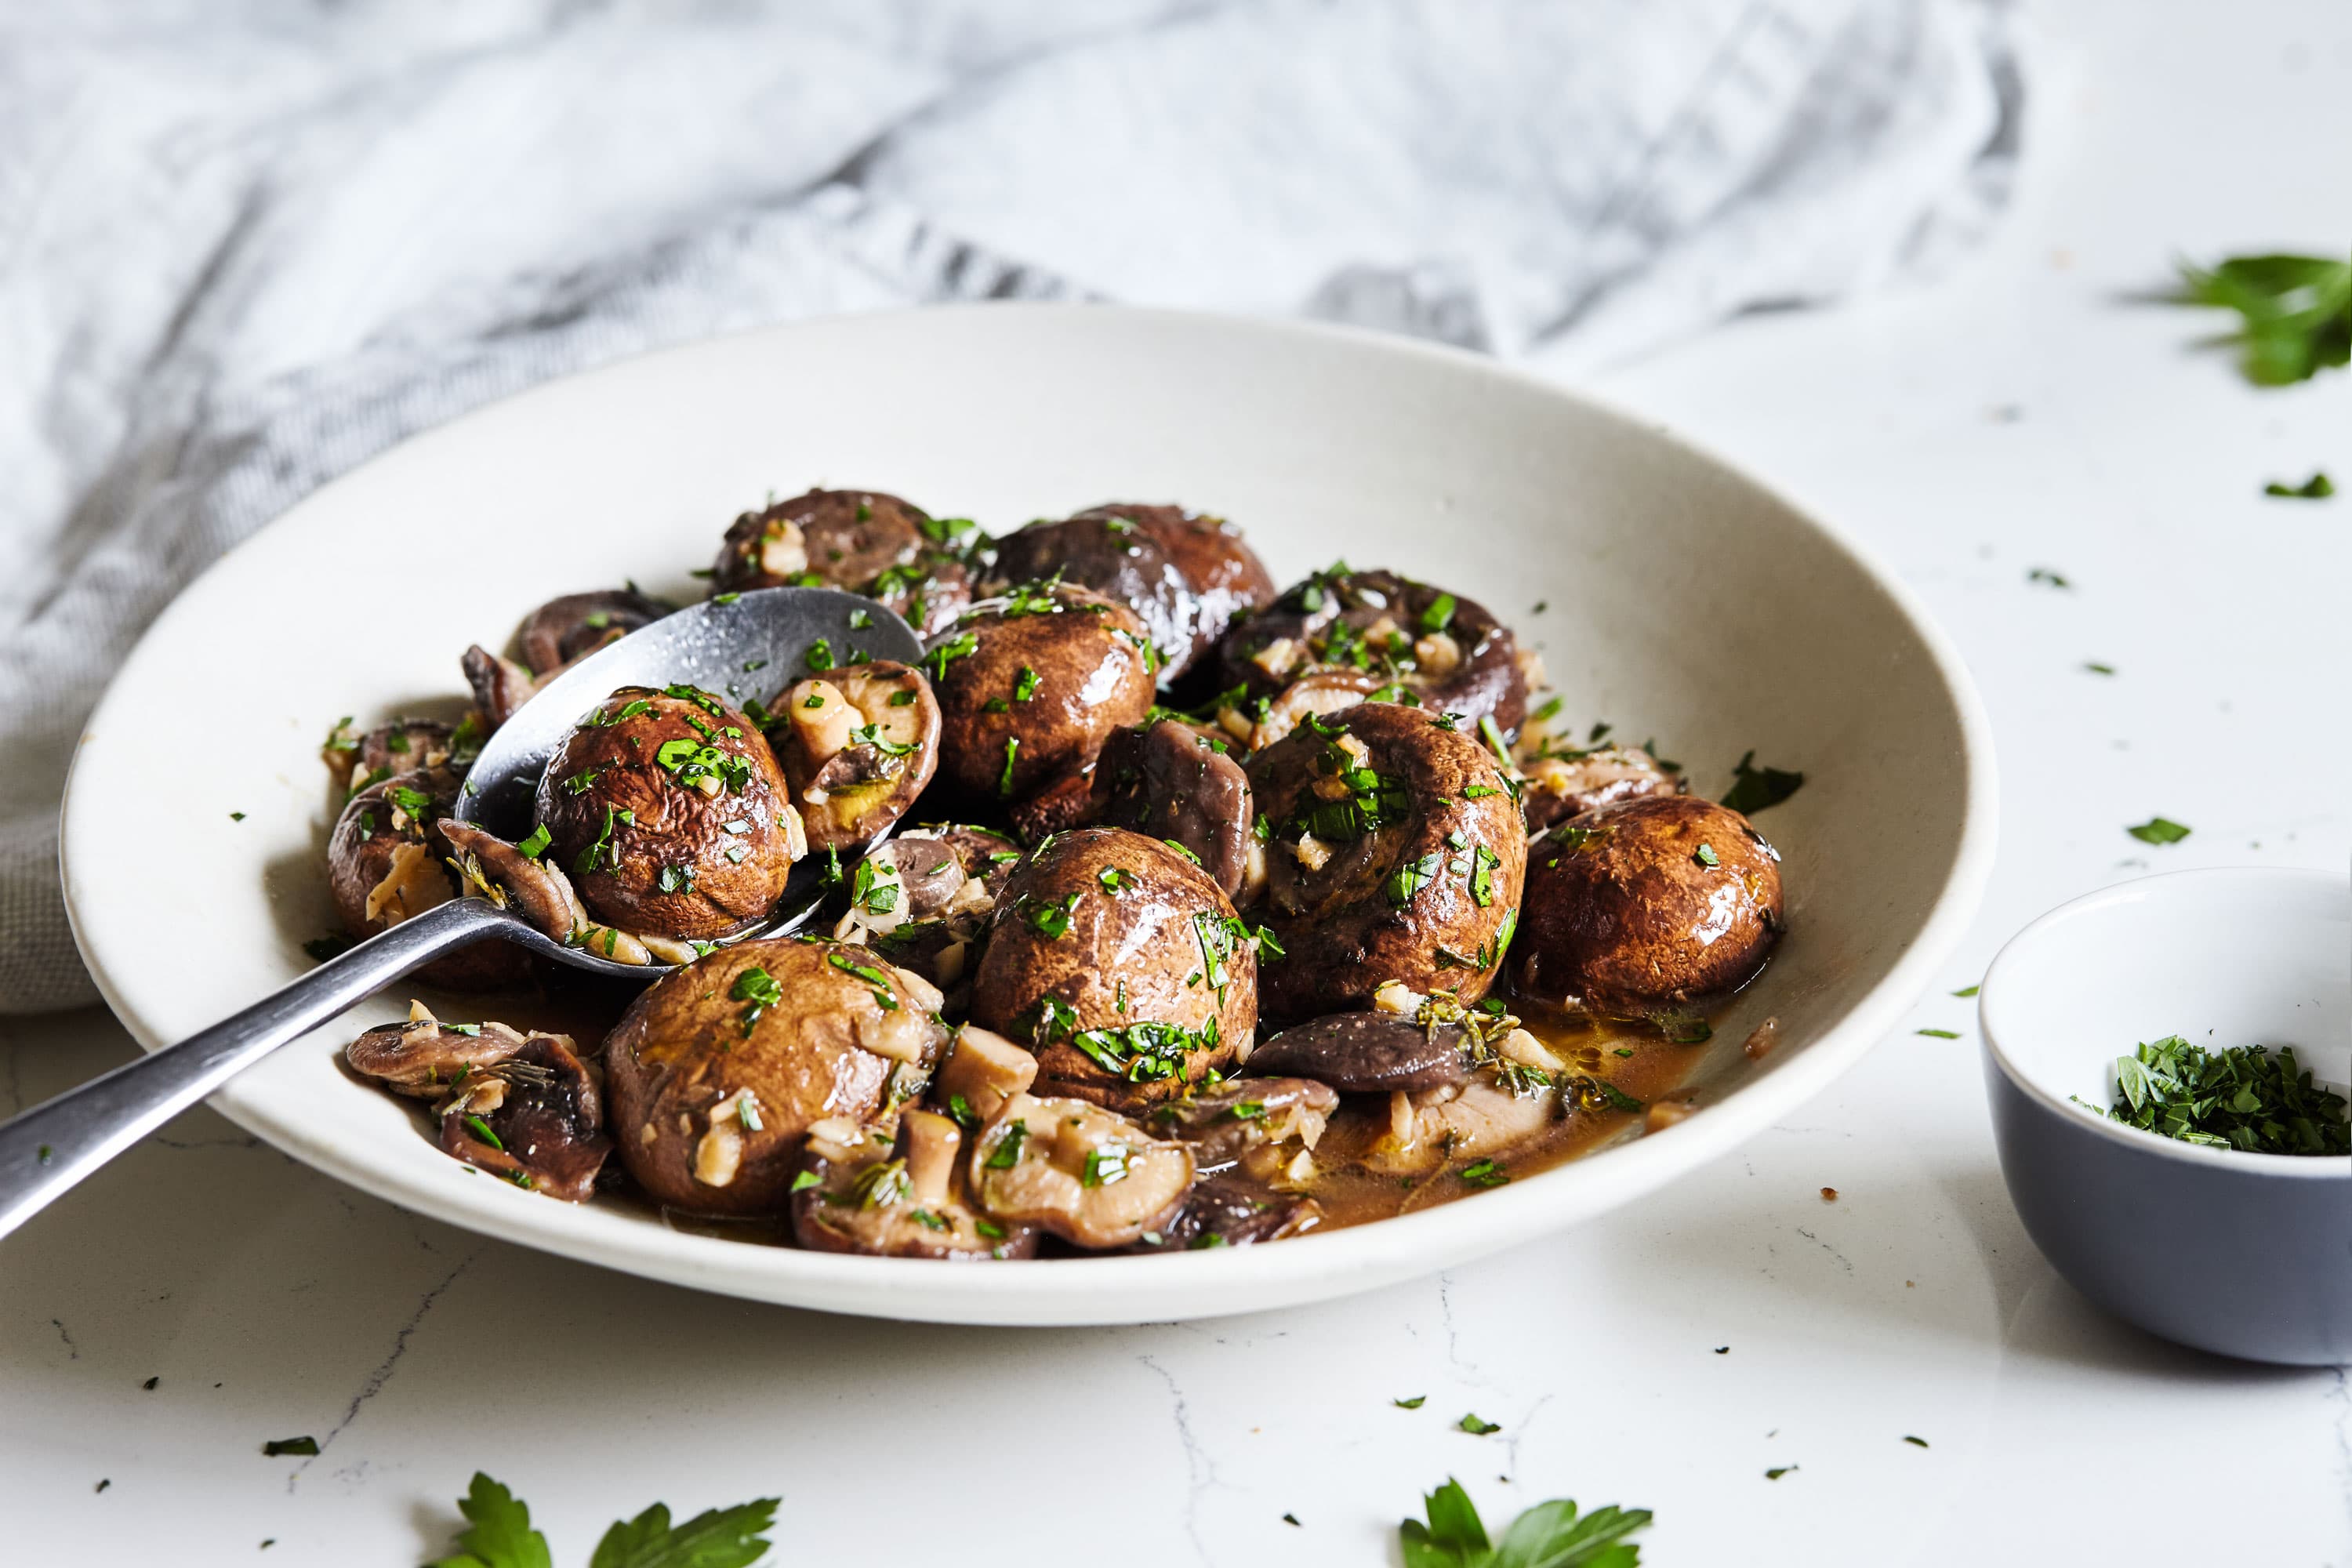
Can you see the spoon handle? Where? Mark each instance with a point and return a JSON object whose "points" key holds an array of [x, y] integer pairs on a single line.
{"points": [[54, 1145]]}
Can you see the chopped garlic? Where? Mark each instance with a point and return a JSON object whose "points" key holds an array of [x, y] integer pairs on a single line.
{"points": [[1396, 996]]}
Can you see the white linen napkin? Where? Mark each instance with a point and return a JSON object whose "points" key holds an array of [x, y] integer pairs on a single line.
{"points": [[243, 248]]}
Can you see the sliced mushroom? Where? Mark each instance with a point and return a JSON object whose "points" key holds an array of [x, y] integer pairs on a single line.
{"points": [[864, 540], [1232, 1211], [910, 1201], [1367, 1053], [388, 862], [1241, 1115], [534, 1117], [1178, 784], [858, 744], [1561, 784], [499, 685], [502, 872], [1410, 1133], [423, 1057], [982, 1070], [1070, 1167]]}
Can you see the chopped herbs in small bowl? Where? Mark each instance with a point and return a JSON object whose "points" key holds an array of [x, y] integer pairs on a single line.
{"points": [[2199, 1186]]}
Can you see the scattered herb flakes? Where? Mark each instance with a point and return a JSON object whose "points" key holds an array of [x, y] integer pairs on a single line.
{"points": [[1476, 1427], [804, 1181], [1916, 1442], [2158, 830], [1774, 1475], [1618, 1098], [2244, 1097], [1486, 1173], [150, 1384], [237, 816], [1967, 991], [536, 845], [1705, 856], [2095, 668], [500, 1534], [1723, 1350], [1753, 789], [102, 1485], [1550, 1535], [2319, 486], [306, 1447], [819, 657], [2045, 575], [1939, 1034], [2294, 311], [1292, 1519], [46, 1155], [1415, 1403]]}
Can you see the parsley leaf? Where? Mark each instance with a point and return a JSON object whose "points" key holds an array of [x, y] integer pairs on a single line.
{"points": [[1548, 1535], [2294, 311], [715, 1538], [2319, 486], [500, 1534], [2244, 1097], [2158, 830], [1754, 788]]}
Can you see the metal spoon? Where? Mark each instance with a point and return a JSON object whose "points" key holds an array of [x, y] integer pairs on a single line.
{"points": [[714, 645]]}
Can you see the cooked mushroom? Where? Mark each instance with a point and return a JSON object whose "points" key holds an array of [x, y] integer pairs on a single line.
{"points": [[576, 625], [499, 685], [914, 900], [1395, 853], [1176, 783], [858, 744], [982, 1070], [355, 761], [423, 1057], [1648, 907], [1068, 1166], [1244, 1117], [1414, 1132], [1185, 576], [722, 1066], [1444, 649], [1367, 1053], [1230, 1211], [908, 1202], [1032, 684], [1125, 967], [534, 1117], [1569, 782], [1259, 722], [387, 861], [670, 815], [864, 540], [493, 868]]}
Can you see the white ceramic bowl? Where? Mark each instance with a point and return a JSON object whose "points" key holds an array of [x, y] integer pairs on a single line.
{"points": [[2249, 1255], [1684, 603]]}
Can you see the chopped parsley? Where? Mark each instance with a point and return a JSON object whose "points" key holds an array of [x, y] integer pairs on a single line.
{"points": [[2319, 486], [1753, 789], [2244, 1097], [2158, 830]]}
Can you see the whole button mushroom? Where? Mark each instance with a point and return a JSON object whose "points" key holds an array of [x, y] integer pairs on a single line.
{"points": [[1121, 965], [670, 815], [858, 744], [1184, 576], [864, 540], [552, 638], [1108, 946], [1648, 907], [1030, 687], [534, 1117], [1443, 649], [1072, 1168], [721, 1069], [1395, 853], [1561, 784], [1171, 781]]}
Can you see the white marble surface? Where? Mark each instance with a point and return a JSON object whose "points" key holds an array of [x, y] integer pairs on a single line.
{"points": [[2021, 415]]}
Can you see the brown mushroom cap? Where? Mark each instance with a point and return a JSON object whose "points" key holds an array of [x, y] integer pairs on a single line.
{"points": [[864, 540], [387, 861], [1367, 1053], [695, 846], [1174, 781], [1241, 1117], [575, 625], [1648, 906], [808, 1031], [1121, 964], [858, 744], [1228, 579], [1068, 1166], [422, 1056], [1396, 630], [1232, 1211], [1030, 685], [1396, 852], [403, 746], [535, 1118]]}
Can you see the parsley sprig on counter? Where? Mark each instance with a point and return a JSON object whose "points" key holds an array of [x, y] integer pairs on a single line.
{"points": [[2294, 311], [2241, 1098], [498, 1534], [1550, 1534]]}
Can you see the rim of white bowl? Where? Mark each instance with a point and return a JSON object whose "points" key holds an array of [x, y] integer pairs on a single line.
{"points": [[1635, 1168], [2311, 1167]]}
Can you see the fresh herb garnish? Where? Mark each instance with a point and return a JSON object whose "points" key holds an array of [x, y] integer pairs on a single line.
{"points": [[1484, 1174], [819, 657], [1477, 1428], [2319, 486], [1007, 1153], [1939, 1034], [2242, 1098], [1705, 856], [305, 1446], [1004, 779], [759, 990], [535, 845], [2293, 311], [1754, 788], [1415, 1403], [500, 1534], [2158, 830], [1548, 1535], [2044, 574]]}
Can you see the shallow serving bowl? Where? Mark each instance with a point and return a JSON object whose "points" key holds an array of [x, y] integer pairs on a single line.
{"points": [[1679, 600], [2249, 1255]]}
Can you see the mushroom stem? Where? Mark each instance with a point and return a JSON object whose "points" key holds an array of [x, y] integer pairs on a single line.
{"points": [[929, 1143]]}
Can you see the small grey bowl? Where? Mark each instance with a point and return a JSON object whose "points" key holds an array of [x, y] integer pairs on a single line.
{"points": [[2247, 1255]]}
